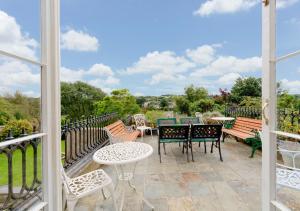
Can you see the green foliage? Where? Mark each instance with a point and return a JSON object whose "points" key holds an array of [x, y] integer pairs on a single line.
{"points": [[152, 116], [16, 127], [245, 87], [182, 105], [19, 107], [202, 105], [286, 100], [78, 99], [140, 100], [195, 93], [120, 101], [163, 104], [251, 102]]}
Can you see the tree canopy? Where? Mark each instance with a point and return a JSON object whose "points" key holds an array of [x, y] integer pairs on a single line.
{"points": [[78, 99], [250, 87], [120, 101]]}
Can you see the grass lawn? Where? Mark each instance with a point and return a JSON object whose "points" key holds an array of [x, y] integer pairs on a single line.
{"points": [[17, 166]]}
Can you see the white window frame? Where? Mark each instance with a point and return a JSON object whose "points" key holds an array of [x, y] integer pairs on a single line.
{"points": [[269, 110], [50, 104]]}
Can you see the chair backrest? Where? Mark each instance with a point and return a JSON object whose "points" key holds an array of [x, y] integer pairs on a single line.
{"points": [[189, 120], [199, 131], [166, 121], [200, 117], [174, 132], [140, 120], [65, 180], [114, 129]]}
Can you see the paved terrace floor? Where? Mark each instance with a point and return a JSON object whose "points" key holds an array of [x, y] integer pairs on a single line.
{"points": [[206, 184]]}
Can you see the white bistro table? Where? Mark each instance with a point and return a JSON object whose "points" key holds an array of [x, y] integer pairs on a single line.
{"points": [[120, 155]]}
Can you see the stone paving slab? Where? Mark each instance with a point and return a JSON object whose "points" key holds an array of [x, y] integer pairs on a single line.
{"points": [[206, 184]]}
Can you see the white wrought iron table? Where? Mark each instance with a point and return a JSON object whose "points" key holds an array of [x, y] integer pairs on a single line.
{"points": [[121, 154], [222, 119]]}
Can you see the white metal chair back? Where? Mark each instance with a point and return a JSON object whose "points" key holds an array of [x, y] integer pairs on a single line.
{"points": [[200, 117], [140, 120]]}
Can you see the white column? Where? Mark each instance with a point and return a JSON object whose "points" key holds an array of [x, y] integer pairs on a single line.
{"points": [[50, 105], [269, 97]]}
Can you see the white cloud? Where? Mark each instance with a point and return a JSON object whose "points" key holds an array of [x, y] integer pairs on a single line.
{"points": [[78, 41], [157, 62], [292, 86], [229, 64], [224, 6], [210, 7], [203, 54], [228, 79], [69, 75], [100, 69], [280, 4], [15, 75], [13, 40]]}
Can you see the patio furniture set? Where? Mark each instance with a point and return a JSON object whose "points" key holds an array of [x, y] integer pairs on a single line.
{"points": [[188, 131]]}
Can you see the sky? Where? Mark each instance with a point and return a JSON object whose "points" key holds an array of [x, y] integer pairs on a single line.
{"points": [[149, 47]]}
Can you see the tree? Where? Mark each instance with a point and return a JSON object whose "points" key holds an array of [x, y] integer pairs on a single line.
{"points": [[286, 100], [195, 93], [182, 105], [120, 101], [163, 103], [245, 87], [202, 105], [78, 99]]}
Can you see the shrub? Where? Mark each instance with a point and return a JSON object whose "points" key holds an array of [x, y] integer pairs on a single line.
{"points": [[4, 118], [152, 116], [208, 115], [16, 126]]}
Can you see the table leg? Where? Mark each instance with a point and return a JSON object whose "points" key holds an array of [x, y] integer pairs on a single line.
{"points": [[129, 176]]}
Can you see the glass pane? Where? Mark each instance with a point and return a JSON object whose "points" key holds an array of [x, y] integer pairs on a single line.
{"points": [[19, 97], [20, 27]]}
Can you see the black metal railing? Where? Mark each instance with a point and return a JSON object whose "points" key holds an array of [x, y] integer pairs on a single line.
{"points": [[82, 137], [287, 119], [20, 170]]}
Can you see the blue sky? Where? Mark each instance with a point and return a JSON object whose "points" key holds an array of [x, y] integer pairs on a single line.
{"points": [[150, 47]]}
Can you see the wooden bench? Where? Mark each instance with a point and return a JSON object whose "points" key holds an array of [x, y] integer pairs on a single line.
{"points": [[118, 132], [247, 130]]}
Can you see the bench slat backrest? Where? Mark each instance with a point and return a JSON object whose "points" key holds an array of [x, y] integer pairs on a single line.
{"points": [[116, 128], [247, 125]]}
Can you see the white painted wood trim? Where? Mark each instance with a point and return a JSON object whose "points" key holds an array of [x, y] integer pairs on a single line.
{"points": [[280, 206], [296, 53], [290, 135], [22, 139], [50, 104], [4, 53], [38, 206], [269, 94]]}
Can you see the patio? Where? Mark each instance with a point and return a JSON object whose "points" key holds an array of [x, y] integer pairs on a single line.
{"points": [[206, 184]]}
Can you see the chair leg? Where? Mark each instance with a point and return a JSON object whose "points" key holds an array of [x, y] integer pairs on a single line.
{"points": [[212, 146], [192, 151], [164, 148], [220, 151], [110, 188], [205, 147], [187, 151], [199, 144], [151, 134], [159, 152], [71, 204]]}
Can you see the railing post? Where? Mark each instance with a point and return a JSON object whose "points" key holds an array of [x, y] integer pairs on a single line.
{"points": [[50, 104]]}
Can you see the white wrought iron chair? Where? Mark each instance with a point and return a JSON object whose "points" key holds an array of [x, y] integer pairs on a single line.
{"points": [[200, 117], [86, 184], [288, 174], [140, 122]]}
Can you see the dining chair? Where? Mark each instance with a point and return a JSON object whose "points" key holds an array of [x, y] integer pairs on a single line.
{"points": [[140, 123], [86, 184]]}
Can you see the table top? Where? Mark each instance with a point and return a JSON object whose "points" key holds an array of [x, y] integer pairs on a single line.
{"points": [[122, 153], [222, 118]]}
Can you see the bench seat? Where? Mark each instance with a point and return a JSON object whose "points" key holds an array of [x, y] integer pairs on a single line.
{"points": [[118, 132], [245, 129]]}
